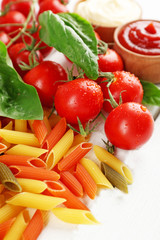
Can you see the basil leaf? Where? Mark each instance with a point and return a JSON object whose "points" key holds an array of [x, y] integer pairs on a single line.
{"points": [[17, 99], [73, 36], [151, 93]]}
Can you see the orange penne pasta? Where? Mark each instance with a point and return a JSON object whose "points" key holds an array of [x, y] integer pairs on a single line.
{"points": [[58, 189], [48, 126], [34, 227], [5, 226], [72, 183], [3, 147], [1, 187], [40, 130], [22, 160], [71, 159], [34, 173], [2, 200], [52, 117], [88, 184], [55, 135]]}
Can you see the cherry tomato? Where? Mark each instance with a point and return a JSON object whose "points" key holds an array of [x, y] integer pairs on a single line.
{"points": [[110, 61], [12, 17], [125, 84], [45, 78], [54, 5], [4, 38], [61, 1], [20, 6], [129, 125], [17, 56], [81, 98]]}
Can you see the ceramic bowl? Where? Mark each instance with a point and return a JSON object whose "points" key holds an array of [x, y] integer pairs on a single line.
{"points": [[146, 67], [106, 33]]}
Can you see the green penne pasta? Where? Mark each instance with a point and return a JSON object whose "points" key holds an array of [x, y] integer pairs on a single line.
{"points": [[8, 179], [116, 179]]}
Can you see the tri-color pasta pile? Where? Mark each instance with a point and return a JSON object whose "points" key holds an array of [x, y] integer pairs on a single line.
{"points": [[43, 167]]}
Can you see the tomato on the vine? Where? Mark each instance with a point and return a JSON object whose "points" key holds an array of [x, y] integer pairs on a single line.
{"points": [[82, 98], [18, 55], [46, 77], [20, 6], [12, 17], [129, 125], [124, 84], [110, 61], [4, 37], [53, 5]]}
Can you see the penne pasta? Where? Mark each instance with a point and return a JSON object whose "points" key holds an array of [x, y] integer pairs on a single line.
{"points": [[3, 147], [55, 135], [72, 183], [34, 173], [2, 200], [114, 177], [86, 181], [18, 226], [4, 227], [79, 139], [22, 160], [71, 159], [34, 227], [48, 126], [1, 187], [35, 200], [25, 150], [20, 125], [95, 173], [8, 179], [106, 157], [58, 189], [32, 185], [9, 126], [16, 137], [9, 211], [52, 117], [74, 216], [60, 149], [40, 130]]}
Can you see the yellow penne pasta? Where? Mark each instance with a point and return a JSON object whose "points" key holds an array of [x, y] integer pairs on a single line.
{"points": [[20, 125], [95, 173], [8, 211], [25, 150], [35, 200], [75, 216], [60, 149], [32, 185], [17, 137], [106, 157], [18, 226], [9, 126]]}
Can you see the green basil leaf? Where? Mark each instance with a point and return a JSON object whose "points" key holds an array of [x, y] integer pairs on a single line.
{"points": [[73, 36], [151, 93], [17, 99]]}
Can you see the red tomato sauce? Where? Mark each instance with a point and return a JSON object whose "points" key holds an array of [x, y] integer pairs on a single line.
{"points": [[142, 37]]}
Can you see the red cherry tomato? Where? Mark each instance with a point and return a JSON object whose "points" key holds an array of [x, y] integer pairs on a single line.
{"points": [[125, 84], [110, 61], [21, 6], [54, 5], [4, 38], [81, 98], [129, 126], [61, 1], [46, 78], [17, 56], [11, 17]]}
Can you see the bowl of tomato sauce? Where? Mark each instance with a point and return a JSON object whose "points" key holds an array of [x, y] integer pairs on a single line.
{"points": [[138, 43]]}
